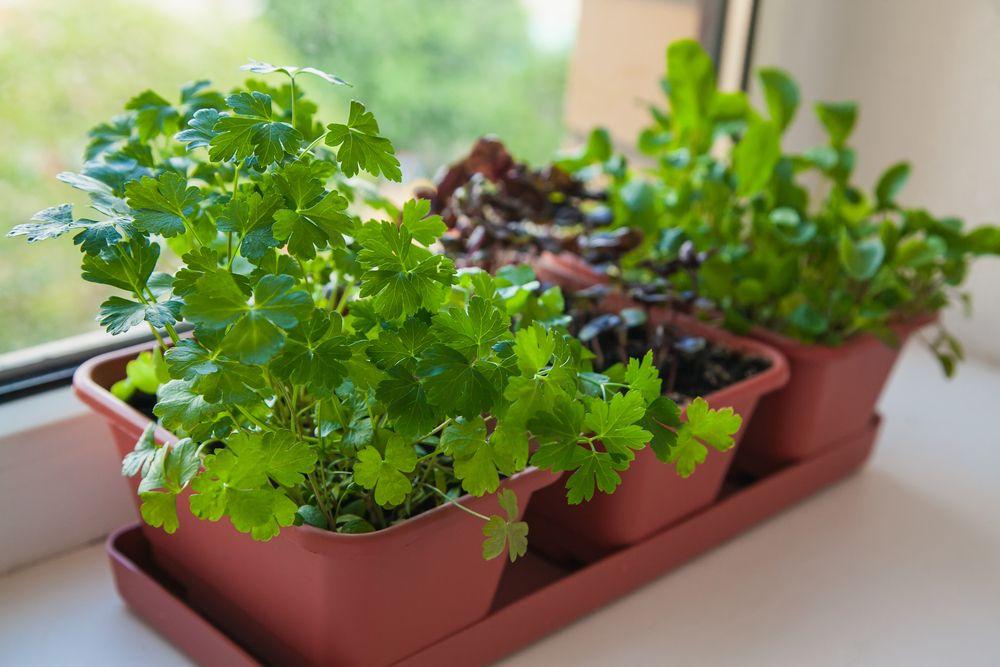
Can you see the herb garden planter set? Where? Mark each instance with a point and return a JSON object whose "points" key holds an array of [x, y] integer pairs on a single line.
{"points": [[360, 417]]}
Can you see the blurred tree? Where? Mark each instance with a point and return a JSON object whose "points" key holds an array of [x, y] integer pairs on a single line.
{"points": [[65, 67], [441, 73]]}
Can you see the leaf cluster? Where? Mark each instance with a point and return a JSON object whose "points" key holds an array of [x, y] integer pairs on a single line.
{"points": [[789, 241]]}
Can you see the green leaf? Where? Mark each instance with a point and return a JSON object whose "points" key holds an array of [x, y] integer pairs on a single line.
{"points": [[592, 468], [703, 426], [385, 475], [314, 227], [455, 383], [474, 329], [838, 118], [808, 319], [154, 115], [781, 94], [251, 216], [890, 183], [662, 419], [691, 80], [256, 333], [755, 157], [400, 277], [119, 315], [614, 423], [163, 204], [476, 461], [141, 457], [251, 131], [180, 408], [715, 427], [159, 510], [276, 456], [126, 266], [644, 377], [505, 532], [361, 146], [861, 260], [259, 67], [312, 358], [426, 229], [200, 130], [533, 347], [96, 236], [408, 402]]}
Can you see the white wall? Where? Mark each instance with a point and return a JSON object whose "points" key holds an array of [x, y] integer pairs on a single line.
{"points": [[927, 76]]}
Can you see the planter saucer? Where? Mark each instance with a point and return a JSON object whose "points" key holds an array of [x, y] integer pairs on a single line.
{"points": [[551, 594]]}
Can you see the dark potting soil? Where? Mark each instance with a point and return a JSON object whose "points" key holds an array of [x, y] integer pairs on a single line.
{"points": [[689, 365], [144, 403]]}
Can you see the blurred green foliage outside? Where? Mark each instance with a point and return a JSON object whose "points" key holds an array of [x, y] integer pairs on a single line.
{"points": [[437, 74]]}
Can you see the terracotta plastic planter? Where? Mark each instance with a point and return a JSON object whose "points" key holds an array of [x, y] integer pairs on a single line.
{"points": [[567, 270], [652, 496], [830, 395], [315, 597]]}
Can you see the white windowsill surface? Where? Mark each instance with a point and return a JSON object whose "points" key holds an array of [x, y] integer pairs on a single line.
{"points": [[900, 564]]}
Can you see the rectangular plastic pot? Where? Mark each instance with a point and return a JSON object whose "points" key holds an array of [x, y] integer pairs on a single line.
{"points": [[549, 596], [831, 394], [651, 496], [311, 596]]}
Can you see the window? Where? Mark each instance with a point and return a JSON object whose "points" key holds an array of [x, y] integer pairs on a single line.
{"points": [[439, 73]]}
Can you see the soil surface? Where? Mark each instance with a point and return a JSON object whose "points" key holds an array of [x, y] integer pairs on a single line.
{"points": [[689, 365]]}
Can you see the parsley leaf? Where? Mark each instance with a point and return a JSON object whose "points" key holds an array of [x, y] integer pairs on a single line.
{"points": [[361, 146], [506, 532], [256, 333], [400, 277], [614, 424], [426, 229], [252, 131], [162, 204], [385, 475]]}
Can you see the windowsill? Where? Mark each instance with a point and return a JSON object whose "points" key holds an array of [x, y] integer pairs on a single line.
{"points": [[896, 564]]}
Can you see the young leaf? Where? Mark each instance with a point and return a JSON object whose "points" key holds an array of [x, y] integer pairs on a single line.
{"points": [[426, 229], [501, 532], [614, 423], [755, 156], [838, 118], [259, 67], [361, 146], [385, 475], [861, 260], [782, 95]]}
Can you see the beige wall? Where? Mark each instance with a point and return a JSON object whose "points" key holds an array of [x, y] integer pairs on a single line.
{"points": [[619, 59], [927, 76]]}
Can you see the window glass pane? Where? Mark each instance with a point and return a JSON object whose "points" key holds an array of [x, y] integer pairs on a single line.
{"points": [[438, 74]]}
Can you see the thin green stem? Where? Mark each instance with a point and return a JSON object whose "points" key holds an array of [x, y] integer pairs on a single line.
{"points": [[311, 146], [456, 503]]}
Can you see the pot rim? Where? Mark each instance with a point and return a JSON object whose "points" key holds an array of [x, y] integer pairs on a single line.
{"points": [[772, 378]]}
